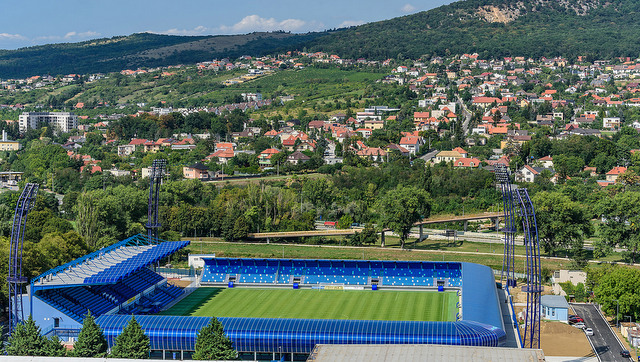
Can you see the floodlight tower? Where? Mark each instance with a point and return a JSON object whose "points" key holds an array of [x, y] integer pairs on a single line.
{"points": [[15, 278], [534, 275], [507, 276], [155, 180]]}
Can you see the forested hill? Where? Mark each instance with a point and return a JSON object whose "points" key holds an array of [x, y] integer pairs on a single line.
{"points": [[138, 50], [533, 28]]}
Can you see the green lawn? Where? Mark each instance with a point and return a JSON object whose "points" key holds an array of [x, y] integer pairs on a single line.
{"points": [[319, 304]]}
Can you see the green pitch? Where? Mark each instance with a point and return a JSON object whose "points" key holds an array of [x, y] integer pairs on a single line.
{"points": [[319, 304]]}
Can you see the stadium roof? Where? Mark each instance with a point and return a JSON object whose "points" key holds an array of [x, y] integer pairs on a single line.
{"points": [[301, 335], [110, 264]]}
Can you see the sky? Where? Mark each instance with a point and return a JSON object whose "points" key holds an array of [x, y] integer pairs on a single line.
{"points": [[36, 22]]}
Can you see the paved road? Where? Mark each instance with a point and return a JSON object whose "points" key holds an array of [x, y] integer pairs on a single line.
{"points": [[604, 342], [466, 114]]}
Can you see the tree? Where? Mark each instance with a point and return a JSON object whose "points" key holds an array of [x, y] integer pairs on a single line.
{"points": [[26, 340], [621, 223], [213, 344], [132, 342], [399, 209], [562, 223], [91, 341], [621, 285], [53, 347]]}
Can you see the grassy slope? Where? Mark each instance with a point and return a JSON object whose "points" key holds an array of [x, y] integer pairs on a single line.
{"points": [[320, 304]]}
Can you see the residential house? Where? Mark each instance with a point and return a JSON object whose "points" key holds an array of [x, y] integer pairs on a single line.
{"points": [[196, 171], [612, 175], [297, 158], [264, 158], [126, 150], [611, 122], [375, 154], [529, 173], [546, 162], [447, 156], [461, 151], [411, 143], [467, 162]]}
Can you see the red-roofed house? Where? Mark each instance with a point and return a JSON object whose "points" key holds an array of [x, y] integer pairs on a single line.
{"points": [[546, 162], [467, 162], [412, 144], [92, 168], [223, 155], [461, 151], [485, 102], [264, 159], [421, 117], [612, 176]]}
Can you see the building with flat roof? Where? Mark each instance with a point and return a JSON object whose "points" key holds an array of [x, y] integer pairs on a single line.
{"points": [[60, 121], [7, 144]]}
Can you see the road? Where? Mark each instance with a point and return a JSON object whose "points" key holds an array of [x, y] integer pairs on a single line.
{"points": [[466, 114], [604, 342]]}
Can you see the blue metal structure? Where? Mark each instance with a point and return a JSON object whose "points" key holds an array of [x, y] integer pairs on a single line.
{"points": [[301, 335], [15, 278], [534, 276], [155, 180], [507, 277]]}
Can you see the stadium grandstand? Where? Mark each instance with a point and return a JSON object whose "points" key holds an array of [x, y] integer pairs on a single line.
{"points": [[460, 301], [113, 280]]}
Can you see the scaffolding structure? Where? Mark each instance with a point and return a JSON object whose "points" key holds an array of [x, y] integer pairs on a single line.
{"points": [[155, 180], [15, 278]]}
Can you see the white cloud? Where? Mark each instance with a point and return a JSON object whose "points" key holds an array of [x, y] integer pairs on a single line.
{"points": [[83, 35], [348, 23], [7, 36], [408, 8], [198, 30], [256, 23]]}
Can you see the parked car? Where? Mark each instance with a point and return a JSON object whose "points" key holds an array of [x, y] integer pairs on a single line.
{"points": [[575, 319], [624, 353], [580, 325], [588, 332]]}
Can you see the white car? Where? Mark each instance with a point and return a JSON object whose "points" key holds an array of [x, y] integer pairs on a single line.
{"points": [[579, 325], [588, 332]]}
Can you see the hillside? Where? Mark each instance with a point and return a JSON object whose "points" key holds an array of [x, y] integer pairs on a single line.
{"points": [[138, 50], [534, 28]]}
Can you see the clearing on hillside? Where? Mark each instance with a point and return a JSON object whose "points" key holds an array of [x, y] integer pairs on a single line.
{"points": [[319, 304]]}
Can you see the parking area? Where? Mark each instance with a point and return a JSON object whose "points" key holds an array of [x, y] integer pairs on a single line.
{"points": [[604, 342]]}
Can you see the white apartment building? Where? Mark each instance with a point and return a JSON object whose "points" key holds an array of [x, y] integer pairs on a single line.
{"points": [[60, 121]]}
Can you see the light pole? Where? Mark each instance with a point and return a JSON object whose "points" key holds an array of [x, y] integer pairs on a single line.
{"points": [[617, 307]]}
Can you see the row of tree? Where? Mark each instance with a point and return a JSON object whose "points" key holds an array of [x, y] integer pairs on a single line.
{"points": [[132, 343]]}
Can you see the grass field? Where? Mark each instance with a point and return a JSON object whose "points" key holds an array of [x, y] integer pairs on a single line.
{"points": [[319, 304]]}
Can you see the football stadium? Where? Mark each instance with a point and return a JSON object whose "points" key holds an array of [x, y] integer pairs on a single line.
{"points": [[270, 307]]}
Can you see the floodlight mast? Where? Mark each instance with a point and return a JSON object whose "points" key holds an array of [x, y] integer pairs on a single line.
{"points": [[507, 275], [155, 180], [16, 279], [534, 286]]}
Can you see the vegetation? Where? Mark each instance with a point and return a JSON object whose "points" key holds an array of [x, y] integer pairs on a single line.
{"points": [[27, 340], [213, 344], [132, 342], [554, 29], [140, 50], [615, 289], [91, 341]]}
